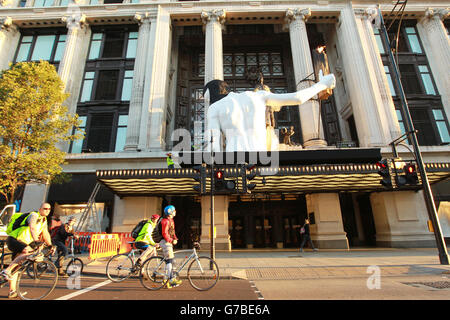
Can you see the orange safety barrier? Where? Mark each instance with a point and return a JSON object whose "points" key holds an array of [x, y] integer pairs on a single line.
{"points": [[104, 245], [124, 238]]}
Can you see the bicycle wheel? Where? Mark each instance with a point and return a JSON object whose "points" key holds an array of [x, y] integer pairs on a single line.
{"points": [[203, 273], [153, 274], [119, 267], [37, 280], [74, 267]]}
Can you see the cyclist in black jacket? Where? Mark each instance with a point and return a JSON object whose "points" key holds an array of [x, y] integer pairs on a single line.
{"points": [[59, 240]]}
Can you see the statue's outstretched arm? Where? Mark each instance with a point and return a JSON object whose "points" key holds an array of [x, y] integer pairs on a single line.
{"points": [[277, 100]]}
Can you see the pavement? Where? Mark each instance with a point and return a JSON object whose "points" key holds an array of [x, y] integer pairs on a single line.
{"points": [[285, 264]]}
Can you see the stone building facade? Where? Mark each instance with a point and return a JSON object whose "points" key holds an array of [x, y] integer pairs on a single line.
{"points": [[135, 72]]}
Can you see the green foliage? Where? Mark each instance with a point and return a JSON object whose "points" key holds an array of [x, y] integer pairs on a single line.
{"points": [[33, 121]]}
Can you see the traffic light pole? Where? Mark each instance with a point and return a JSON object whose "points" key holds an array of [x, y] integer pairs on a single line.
{"points": [[211, 231], [428, 195]]}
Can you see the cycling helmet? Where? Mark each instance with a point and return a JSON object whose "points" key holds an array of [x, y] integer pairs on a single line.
{"points": [[169, 210], [155, 217]]}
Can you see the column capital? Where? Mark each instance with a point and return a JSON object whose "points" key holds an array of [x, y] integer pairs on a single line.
{"points": [[367, 14], [145, 17], [6, 23], [441, 14], [294, 14], [75, 21], [213, 15]]}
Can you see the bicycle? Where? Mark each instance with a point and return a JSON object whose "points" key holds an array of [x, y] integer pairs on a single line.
{"points": [[202, 273], [75, 265], [2, 260], [121, 266], [37, 276]]}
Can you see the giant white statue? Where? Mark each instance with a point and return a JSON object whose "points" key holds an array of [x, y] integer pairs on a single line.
{"points": [[240, 118]]}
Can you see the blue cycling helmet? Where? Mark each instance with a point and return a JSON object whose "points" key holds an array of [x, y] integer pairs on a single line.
{"points": [[169, 210]]}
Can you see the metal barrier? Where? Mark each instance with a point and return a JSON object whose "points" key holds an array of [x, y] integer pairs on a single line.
{"points": [[104, 245]]}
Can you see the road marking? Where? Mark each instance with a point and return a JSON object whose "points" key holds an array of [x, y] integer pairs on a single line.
{"points": [[79, 292]]}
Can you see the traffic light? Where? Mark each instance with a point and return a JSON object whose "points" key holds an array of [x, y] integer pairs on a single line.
{"points": [[200, 176], [221, 185], [409, 177], [411, 174], [384, 172], [249, 175]]}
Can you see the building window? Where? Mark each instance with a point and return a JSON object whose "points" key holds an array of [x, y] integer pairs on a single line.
{"points": [[77, 145], [104, 131], [43, 3], [425, 105], [107, 88], [49, 47], [113, 44], [441, 125]]}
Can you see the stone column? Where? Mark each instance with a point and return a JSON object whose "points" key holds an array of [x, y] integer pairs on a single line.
{"points": [[9, 39], [152, 127], [312, 131], [130, 210], [213, 22], [72, 64], [328, 229], [401, 220], [222, 240], [136, 106], [437, 47], [360, 80], [388, 116]]}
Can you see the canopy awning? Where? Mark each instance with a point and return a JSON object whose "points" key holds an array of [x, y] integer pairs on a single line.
{"points": [[285, 179]]}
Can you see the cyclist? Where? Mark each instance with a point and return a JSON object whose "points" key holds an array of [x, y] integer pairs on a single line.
{"points": [[59, 239], [22, 242], [144, 240], [167, 242]]}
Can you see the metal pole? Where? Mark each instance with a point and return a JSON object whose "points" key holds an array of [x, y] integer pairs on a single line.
{"points": [[428, 195], [211, 231]]}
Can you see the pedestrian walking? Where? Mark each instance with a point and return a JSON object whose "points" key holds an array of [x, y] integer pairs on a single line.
{"points": [[306, 236]]}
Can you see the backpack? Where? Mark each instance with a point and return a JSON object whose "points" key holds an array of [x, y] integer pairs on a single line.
{"points": [[137, 229], [157, 232], [54, 231], [16, 222]]}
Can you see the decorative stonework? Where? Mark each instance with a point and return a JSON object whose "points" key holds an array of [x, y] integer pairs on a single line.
{"points": [[294, 14], [441, 14], [145, 17], [6, 23], [218, 15], [77, 21]]}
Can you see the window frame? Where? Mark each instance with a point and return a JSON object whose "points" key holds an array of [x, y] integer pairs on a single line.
{"points": [[116, 106], [35, 33], [421, 100]]}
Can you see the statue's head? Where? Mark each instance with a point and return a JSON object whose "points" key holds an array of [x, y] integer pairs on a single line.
{"points": [[217, 89]]}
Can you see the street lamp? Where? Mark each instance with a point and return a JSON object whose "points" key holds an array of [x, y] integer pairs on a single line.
{"points": [[428, 195]]}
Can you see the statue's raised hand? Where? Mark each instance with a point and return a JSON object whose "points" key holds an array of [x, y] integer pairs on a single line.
{"points": [[329, 80]]}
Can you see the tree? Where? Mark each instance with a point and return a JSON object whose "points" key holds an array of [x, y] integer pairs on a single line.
{"points": [[33, 122]]}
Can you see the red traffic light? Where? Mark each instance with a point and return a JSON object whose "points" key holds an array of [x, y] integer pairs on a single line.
{"points": [[410, 169], [219, 175]]}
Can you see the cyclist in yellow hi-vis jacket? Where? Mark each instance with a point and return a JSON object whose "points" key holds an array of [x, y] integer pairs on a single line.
{"points": [[23, 240], [145, 241]]}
